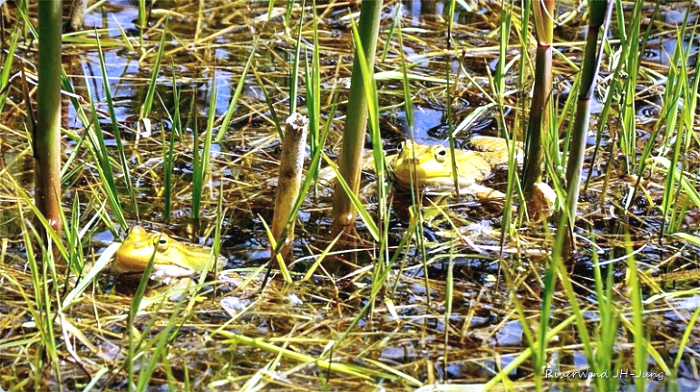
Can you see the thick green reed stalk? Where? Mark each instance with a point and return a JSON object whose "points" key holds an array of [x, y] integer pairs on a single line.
{"points": [[539, 108], [47, 135], [350, 162], [599, 15]]}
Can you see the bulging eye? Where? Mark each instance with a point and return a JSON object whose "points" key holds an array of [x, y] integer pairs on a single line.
{"points": [[162, 243], [401, 146], [440, 153]]}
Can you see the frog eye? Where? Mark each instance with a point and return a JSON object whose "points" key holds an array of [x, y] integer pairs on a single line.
{"points": [[161, 243], [440, 153], [401, 146]]}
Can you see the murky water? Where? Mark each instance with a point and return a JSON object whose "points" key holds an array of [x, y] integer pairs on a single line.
{"points": [[208, 50]]}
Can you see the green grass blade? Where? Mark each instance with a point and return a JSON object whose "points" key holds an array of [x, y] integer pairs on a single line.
{"points": [[115, 127], [234, 100], [150, 93], [7, 66], [366, 217], [294, 72]]}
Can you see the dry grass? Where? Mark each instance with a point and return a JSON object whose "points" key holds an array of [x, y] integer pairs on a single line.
{"points": [[331, 332]]}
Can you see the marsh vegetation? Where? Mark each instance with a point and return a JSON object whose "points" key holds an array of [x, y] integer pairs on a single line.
{"points": [[173, 114]]}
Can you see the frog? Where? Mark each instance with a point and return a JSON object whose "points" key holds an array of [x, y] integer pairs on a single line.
{"points": [[172, 260], [433, 167]]}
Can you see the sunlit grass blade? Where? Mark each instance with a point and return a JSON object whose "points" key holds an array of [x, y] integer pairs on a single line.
{"points": [[142, 20], [635, 295], [408, 107], [7, 66], [268, 102], [370, 89], [526, 354], [448, 93], [348, 369], [96, 148], [159, 350], [133, 312], [627, 112], [147, 104], [102, 262], [683, 343], [366, 217], [606, 333], [101, 154], [313, 86], [683, 178], [169, 152], [670, 204], [234, 100], [73, 240], [294, 72], [399, 75], [46, 285], [558, 267], [504, 29], [395, 21], [277, 256], [115, 128], [125, 38], [616, 87], [57, 242], [309, 273], [201, 162]]}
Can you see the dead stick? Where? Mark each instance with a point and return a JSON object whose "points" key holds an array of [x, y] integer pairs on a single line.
{"points": [[291, 165]]}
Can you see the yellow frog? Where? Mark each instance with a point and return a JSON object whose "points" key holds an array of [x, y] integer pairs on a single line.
{"points": [[172, 259], [433, 167]]}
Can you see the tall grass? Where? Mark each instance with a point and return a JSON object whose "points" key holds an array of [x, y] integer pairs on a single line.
{"points": [[7, 64], [599, 18], [597, 324], [417, 213], [630, 41], [100, 152], [169, 152], [117, 133], [147, 104], [234, 100], [313, 85], [672, 207], [200, 167], [367, 78]]}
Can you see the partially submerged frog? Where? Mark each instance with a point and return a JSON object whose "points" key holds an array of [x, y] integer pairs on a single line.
{"points": [[172, 259], [433, 167]]}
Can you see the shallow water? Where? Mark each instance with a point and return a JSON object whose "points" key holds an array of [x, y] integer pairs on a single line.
{"points": [[483, 333]]}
